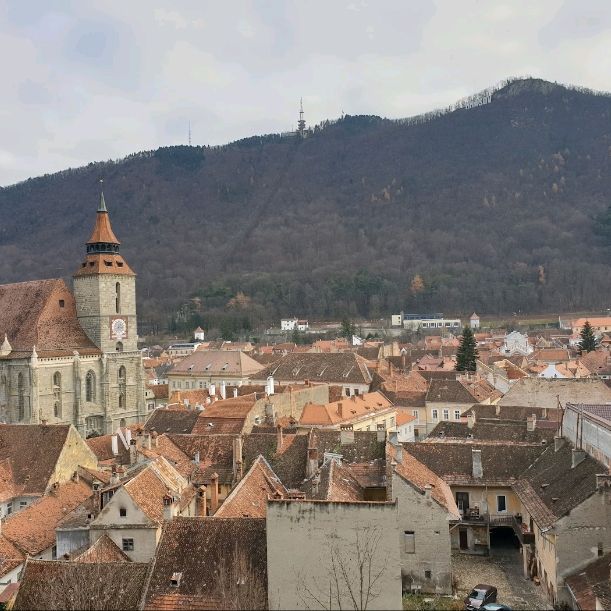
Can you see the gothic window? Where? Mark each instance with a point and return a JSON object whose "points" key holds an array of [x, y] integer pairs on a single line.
{"points": [[118, 297], [20, 397], [119, 346], [90, 386], [3, 390], [122, 379], [57, 394]]}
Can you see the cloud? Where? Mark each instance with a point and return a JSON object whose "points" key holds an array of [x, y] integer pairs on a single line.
{"points": [[99, 80]]}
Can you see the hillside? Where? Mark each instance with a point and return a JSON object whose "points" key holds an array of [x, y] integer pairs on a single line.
{"points": [[497, 206]]}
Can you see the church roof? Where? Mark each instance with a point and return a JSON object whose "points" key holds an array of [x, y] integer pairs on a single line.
{"points": [[41, 313], [102, 231]]}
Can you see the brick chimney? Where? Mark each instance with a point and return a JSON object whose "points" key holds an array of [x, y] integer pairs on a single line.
{"points": [[201, 509], [214, 493], [531, 423], [340, 409], [279, 438], [476, 459], [237, 459], [470, 420]]}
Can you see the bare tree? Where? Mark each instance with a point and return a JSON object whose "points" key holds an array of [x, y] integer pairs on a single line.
{"points": [[240, 585], [355, 570]]}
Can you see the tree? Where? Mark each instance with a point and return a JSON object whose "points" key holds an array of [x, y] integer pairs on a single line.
{"points": [[348, 329], [466, 355], [417, 285], [353, 578], [588, 341]]}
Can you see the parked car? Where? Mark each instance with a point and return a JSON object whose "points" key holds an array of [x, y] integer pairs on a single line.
{"points": [[481, 595], [495, 607]]}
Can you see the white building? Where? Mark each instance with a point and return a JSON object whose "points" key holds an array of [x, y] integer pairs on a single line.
{"points": [[474, 321], [413, 322], [516, 343], [183, 349], [199, 334], [292, 324]]}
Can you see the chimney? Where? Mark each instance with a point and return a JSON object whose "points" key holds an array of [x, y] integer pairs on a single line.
{"points": [[168, 508], [235, 392], [133, 452], [114, 444], [340, 409], [200, 509], [75, 477], [403, 361], [476, 458], [399, 453], [44, 422], [497, 410], [223, 390], [237, 459], [154, 437], [558, 442], [577, 456], [214, 495], [470, 420], [97, 497], [270, 416], [196, 457], [427, 491], [316, 481], [271, 385], [128, 436], [278, 438], [147, 441], [312, 464], [531, 423], [212, 390], [208, 400], [114, 476]]}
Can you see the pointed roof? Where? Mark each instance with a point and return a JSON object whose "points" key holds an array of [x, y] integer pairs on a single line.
{"points": [[102, 231]]}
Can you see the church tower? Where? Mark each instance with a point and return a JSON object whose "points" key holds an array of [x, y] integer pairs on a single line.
{"points": [[105, 295], [105, 290]]}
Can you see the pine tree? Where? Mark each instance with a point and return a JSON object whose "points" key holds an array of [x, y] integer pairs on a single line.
{"points": [[588, 341], [466, 355]]}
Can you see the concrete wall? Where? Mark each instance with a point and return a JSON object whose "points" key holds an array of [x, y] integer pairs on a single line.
{"points": [[326, 535], [428, 521]]}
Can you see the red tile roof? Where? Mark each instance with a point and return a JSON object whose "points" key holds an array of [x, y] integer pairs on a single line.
{"points": [[103, 550]]}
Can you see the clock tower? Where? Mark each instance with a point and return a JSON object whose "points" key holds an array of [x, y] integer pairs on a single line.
{"points": [[105, 290], [105, 295]]}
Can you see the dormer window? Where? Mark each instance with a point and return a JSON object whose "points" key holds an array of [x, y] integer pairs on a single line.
{"points": [[123, 512], [62, 303], [175, 579]]}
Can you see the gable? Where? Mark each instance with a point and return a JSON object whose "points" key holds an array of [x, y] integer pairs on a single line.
{"points": [[110, 514]]}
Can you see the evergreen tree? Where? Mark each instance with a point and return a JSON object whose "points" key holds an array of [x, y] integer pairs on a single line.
{"points": [[466, 355], [588, 341], [348, 329]]}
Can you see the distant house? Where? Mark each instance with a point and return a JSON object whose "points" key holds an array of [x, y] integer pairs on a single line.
{"points": [[344, 369], [203, 368], [182, 349], [516, 343], [199, 335], [294, 324], [474, 321]]}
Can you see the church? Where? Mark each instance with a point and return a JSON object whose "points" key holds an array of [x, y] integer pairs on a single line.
{"points": [[72, 357]]}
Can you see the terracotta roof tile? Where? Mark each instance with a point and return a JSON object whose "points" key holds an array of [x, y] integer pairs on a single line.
{"points": [[104, 549], [347, 410]]}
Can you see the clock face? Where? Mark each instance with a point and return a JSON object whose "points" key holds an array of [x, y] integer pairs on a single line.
{"points": [[118, 328]]}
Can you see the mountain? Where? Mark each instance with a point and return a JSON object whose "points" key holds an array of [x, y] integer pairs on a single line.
{"points": [[498, 204]]}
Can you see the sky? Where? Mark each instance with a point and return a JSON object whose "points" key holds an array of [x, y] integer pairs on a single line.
{"points": [[98, 80]]}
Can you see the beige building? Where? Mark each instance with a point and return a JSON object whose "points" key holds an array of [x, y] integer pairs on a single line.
{"points": [[366, 412], [219, 368], [347, 536], [72, 357]]}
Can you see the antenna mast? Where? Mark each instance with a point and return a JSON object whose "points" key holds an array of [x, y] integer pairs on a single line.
{"points": [[189, 133], [301, 124]]}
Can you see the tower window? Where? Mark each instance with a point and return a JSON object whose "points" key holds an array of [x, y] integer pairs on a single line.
{"points": [[21, 396], [90, 386], [57, 394], [62, 303], [118, 297], [119, 346]]}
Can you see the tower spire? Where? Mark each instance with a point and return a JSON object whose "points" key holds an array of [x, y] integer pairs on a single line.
{"points": [[102, 206]]}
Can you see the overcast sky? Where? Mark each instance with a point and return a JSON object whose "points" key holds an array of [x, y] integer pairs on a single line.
{"points": [[95, 80]]}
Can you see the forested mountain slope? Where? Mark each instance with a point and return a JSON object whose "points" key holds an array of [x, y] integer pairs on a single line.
{"points": [[497, 207]]}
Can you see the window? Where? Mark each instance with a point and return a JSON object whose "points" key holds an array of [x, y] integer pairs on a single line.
{"points": [[21, 396], [392, 421], [415, 414], [122, 380], [90, 386], [9, 508], [23, 504], [462, 501], [446, 414], [127, 545], [118, 297], [122, 512], [62, 303], [427, 574], [357, 392], [57, 394], [54, 552], [347, 392], [409, 542], [435, 414], [501, 503], [119, 346], [456, 414]]}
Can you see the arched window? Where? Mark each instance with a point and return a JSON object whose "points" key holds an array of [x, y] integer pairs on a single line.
{"points": [[57, 394], [90, 386], [118, 297], [119, 346], [20, 397], [122, 379]]}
